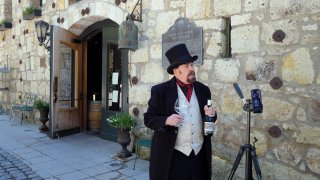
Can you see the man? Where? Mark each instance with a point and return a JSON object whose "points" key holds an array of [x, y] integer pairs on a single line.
{"points": [[179, 150]]}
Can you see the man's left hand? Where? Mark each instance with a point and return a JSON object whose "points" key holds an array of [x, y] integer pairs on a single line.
{"points": [[209, 111]]}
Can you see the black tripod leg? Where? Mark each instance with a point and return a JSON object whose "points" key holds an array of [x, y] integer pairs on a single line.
{"points": [[236, 162], [256, 163], [248, 174]]}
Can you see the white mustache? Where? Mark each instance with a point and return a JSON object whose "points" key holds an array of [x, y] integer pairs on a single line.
{"points": [[191, 73]]}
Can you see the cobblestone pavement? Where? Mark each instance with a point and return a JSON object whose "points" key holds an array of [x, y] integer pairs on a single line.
{"points": [[26, 153], [13, 168]]}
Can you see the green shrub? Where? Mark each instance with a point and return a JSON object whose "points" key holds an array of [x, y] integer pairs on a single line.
{"points": [[41, 105], [3, 21], [122, 121], [28, 10]]}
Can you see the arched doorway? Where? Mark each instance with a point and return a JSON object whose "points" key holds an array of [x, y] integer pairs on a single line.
{"points": [[107, 75], [97, 77]]}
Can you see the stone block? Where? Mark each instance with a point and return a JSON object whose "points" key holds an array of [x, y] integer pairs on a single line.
{"points": [[157, 5], [261, 144], [220, 168], [241, 19], [288, 26], [309, 135], [216, 44], [212, 24], [277, 110], [198, 9], [164, 21], [310, 38], [203, 77], [156, 52], [207, 65], [139, 94], [140, 55], [313, 160], [295, 65], [245, 39], [152, 73], [177, 4], [229, 105], [226, 7], [310, 27], [256, 5], [289, 8], [227, 70], [288, 153], [259, 69], [301, 114], [274, 170]]}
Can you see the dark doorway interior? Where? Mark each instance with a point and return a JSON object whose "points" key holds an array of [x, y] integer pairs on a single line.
{"points": [[95, 67], [94, 82]]}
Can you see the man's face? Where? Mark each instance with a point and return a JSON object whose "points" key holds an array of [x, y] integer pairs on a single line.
{"points": [[185, 73]]}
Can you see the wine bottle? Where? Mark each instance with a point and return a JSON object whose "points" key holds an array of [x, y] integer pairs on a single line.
{"points": [[208, 122]]}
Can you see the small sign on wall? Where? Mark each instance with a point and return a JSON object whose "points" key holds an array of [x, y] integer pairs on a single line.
{"points": [[115, 78], [186, 32]]}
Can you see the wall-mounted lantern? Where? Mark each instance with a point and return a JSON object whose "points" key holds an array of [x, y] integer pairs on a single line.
{"points": [[128, 31], [42, 28]]}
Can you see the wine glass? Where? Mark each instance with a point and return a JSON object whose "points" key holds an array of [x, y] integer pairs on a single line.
{"points": [[179, 108]]}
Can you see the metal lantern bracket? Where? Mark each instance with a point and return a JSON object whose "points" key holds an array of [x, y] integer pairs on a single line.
{"points": [[42, 35], [136, 14], [46, 44]]}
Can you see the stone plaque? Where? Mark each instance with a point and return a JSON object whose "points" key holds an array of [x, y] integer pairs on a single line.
{"points": [[186, 32]]}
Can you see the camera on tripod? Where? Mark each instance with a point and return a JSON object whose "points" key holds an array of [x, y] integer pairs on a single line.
{"points": [[257, 106]]}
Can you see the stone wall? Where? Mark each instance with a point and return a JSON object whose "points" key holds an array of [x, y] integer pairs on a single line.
{"points": [[269, 38], [28, 62], [257, 58]]}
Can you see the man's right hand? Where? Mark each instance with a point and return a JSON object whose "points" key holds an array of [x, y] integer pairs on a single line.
{"points": [[174, 120]]}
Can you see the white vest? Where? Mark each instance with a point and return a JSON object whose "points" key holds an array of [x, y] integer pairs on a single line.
{"points": [[190, 134]]}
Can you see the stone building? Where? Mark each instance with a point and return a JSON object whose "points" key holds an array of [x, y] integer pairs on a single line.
{"points": [[271, 45]]}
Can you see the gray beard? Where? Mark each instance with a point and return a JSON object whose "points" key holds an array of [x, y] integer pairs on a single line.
{"points": [[192, 80]]}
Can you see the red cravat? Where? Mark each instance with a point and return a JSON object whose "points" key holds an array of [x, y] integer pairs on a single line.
{"points": [[189, 88]]}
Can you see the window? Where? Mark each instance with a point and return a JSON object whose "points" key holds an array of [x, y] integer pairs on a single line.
{"points": [[114, 92], [67, 77], [228, 53]]}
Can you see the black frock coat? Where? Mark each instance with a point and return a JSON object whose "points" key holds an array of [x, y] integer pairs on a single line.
{"points": [[161, 105]]}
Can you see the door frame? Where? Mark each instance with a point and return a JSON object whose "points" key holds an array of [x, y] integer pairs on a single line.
{"points": [[110, 36], [104, 26]]}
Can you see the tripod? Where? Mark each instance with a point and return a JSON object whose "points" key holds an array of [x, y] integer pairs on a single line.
{"points": [[250, 150]]}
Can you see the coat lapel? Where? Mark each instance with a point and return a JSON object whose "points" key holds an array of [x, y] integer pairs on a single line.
{"points": [[200, 97], [172, 94]]}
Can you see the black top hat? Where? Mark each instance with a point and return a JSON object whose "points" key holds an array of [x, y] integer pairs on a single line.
{"points": [[178, 55]]}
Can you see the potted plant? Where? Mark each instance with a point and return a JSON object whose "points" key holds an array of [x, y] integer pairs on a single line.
{"points": [[5, 24], [43, 107], [31, 12], [124, 122]]}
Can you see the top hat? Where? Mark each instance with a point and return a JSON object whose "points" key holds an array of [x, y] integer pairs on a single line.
{"points": [[178, 55]]}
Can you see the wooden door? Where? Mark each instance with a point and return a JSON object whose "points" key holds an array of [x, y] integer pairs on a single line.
{"points": [[66, 89]]}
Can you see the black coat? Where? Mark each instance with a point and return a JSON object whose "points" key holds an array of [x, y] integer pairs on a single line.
{"points": [[161, 105]]}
